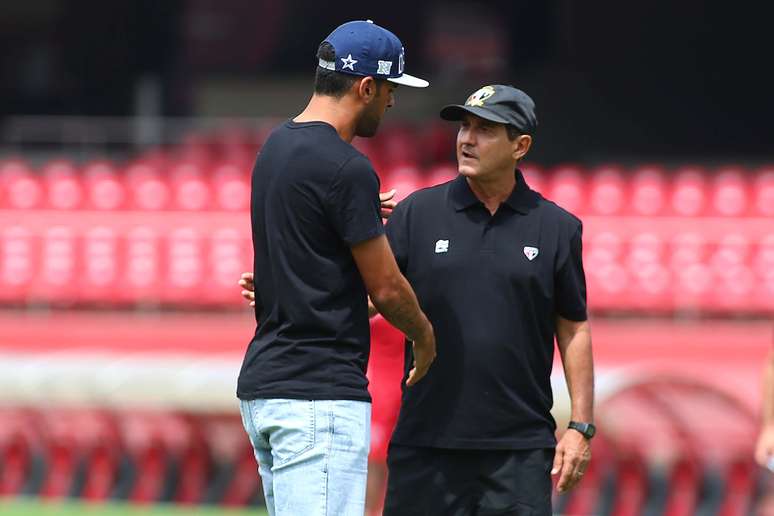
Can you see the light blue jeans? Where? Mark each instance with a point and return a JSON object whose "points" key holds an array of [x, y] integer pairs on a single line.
{"points": [[312, 454]]}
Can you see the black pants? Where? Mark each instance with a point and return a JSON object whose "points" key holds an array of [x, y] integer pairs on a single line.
{"points": [[444, 482]]}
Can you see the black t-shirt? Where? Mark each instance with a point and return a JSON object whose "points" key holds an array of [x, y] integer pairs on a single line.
{"points": [[313, 197], [492, 287]]}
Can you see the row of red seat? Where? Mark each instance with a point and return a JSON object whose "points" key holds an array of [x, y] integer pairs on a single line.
{"points": [[148, 456], [191, 260], [182, 185], [133, 455]]}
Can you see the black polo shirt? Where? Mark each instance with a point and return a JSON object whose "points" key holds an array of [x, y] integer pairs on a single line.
{"points": [[492, 286], [313, 197]]}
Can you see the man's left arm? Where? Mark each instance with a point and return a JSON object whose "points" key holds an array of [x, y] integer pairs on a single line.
{"points": [[573, 452]]}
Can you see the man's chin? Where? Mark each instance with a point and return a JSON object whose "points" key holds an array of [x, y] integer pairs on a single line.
{"points": [[467, 171]]}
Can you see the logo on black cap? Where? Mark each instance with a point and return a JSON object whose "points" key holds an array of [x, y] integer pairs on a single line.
{"points": [[478, 98]]}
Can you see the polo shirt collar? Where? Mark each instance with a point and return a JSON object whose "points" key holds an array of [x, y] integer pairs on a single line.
{"points": [[462, 197]]}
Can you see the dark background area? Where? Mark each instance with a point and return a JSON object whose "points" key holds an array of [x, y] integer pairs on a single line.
{"points": [[642, 80]]}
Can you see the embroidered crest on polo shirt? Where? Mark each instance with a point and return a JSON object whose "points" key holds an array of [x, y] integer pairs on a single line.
{"points": [[530, 252], [442, 246]]}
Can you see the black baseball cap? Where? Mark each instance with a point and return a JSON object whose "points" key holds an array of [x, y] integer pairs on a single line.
{"points": [[497, 103]]}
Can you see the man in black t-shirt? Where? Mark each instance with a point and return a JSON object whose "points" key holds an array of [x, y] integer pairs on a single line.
{"points": [[498, 270], [320, 250]]}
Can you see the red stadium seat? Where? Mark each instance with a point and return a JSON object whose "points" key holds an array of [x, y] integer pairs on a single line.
{"points": [[184, 275], [147, 189], [231, 188], [606, 192], [631, 485], [144, 268], [689, 192], [63, 185], [648, 191], [104, 188], [149, 456], [19, 254], [101, 278], [764, 193], [18, 442], [190, 189], [651, 280], [730, 195], [58, 276], [23, 189], [229, 254], [607, 278], [566, 188], [763, 267]]}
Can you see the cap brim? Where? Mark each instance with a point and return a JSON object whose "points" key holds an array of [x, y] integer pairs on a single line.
{"points": [[456, 112], [410, 80]]}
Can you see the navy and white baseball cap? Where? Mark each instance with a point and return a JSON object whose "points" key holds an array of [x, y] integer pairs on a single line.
{"points": [[364, 48]]}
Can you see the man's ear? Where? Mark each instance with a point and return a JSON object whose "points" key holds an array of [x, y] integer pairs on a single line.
{"points": [[367, 89], [521, 146]]}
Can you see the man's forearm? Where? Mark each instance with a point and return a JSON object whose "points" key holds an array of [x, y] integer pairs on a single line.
{"points": [[577, 360], [400, 307]]}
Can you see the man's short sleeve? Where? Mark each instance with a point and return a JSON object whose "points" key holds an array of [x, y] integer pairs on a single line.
{"points": [[397, 234], [353, 202], [570, 280]]}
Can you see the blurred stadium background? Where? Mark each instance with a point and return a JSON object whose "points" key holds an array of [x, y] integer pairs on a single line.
{"points": [[127, 135]]}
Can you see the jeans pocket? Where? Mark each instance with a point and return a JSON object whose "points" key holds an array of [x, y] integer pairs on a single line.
{"points": [[293, 423]]}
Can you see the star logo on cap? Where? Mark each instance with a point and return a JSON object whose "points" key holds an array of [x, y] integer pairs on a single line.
{"points": [[348, 63]]}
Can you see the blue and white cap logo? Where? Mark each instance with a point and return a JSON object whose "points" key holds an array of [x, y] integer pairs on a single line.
{"points": [[366, 49]]}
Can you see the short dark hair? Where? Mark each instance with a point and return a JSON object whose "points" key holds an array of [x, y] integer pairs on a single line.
{"points": [[331, 82], [513, 133]]}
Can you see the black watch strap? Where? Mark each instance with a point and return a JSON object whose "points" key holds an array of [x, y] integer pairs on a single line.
{"points": [[587, 429]]}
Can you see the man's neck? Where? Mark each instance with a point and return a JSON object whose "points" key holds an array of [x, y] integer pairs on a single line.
{"points": [[336, 112], [493, 190]]}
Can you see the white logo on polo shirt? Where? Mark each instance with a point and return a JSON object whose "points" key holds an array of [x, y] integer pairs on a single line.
{"points": [[442, 246], [530, 252]]}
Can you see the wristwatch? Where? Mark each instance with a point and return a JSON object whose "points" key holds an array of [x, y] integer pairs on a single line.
{"points": [[587, 429]]}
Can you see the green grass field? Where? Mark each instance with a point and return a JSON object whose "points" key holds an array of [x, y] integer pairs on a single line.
{"points": [[34, 507]]}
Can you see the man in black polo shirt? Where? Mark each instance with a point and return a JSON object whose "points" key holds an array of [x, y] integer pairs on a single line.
{"points": [[319, 249], [497, 269]]}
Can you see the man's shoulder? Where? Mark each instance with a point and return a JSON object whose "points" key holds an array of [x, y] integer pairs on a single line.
{"points": [[427, 197], [319, 143]]}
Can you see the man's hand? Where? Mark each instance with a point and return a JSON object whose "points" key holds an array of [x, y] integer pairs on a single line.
{"points": [[764, 450], [424, 354], [385, 198], [248, 287], [573, 454]]}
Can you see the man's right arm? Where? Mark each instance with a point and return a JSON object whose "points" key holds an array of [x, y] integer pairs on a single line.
{"points": [[394, 298]]}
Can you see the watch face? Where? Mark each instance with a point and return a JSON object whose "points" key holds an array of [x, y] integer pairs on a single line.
{"points": [[590, 430]]}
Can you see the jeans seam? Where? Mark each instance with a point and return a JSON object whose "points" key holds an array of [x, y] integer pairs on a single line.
{"points": [[328, 452]]}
